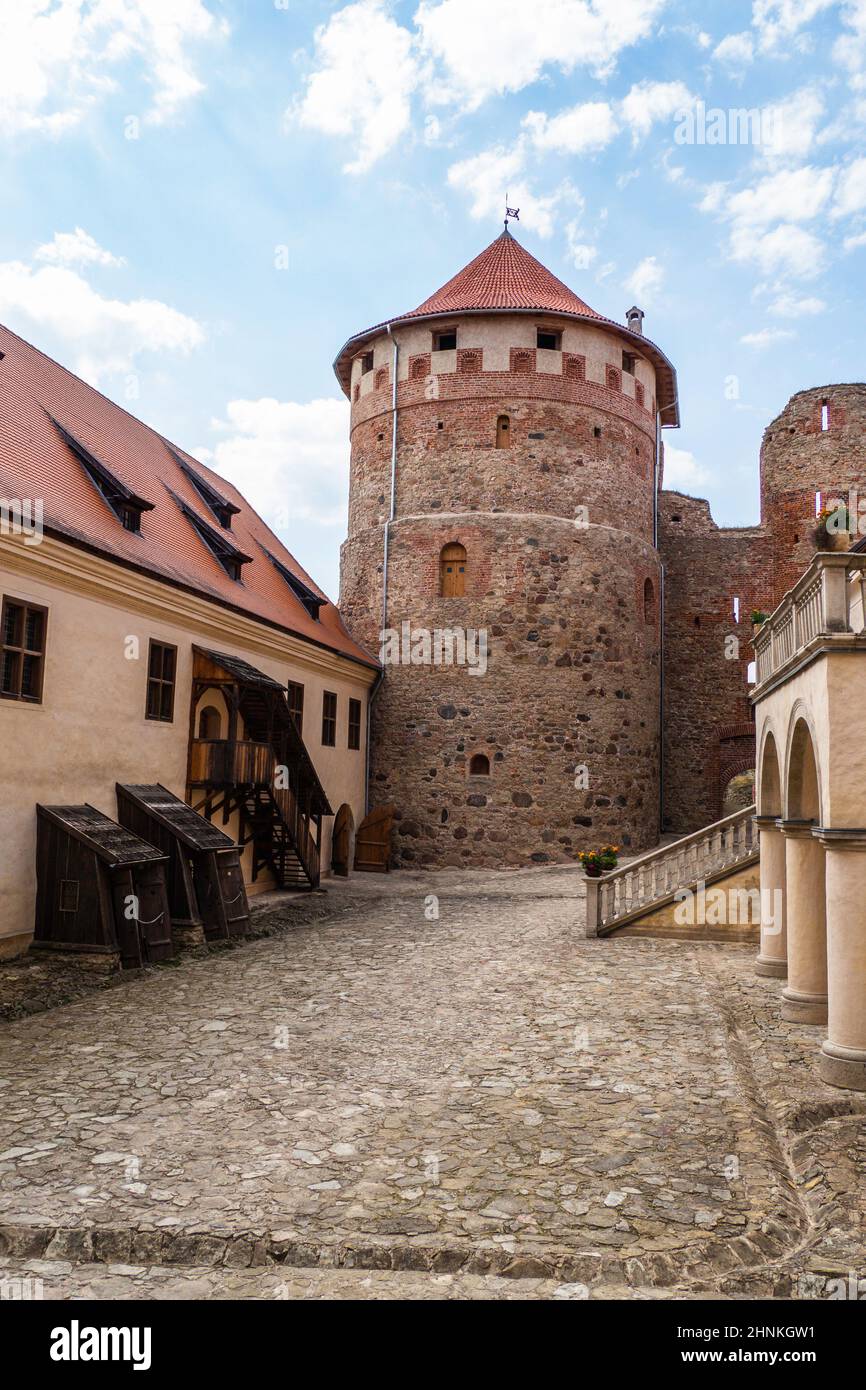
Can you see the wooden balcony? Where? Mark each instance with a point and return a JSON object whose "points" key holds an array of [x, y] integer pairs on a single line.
{"points": [[824, 609], [220, 764]]}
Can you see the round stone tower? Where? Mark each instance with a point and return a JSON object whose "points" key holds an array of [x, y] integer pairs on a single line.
{"points": [[814, 446], [501, 556]]}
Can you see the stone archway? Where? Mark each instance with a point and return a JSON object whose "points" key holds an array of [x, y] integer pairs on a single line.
{"points": [[805, 996]]}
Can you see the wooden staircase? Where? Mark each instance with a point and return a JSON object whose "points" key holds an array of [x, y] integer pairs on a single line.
{"points": [[620, 900]]}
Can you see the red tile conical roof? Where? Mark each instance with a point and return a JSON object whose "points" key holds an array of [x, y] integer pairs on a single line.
{"points": [[504, 276]]}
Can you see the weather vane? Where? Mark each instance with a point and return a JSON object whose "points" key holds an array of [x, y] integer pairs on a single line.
{"points": [[510, 213]]}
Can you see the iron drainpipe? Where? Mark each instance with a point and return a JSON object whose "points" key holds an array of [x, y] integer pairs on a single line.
{"points": [[391, 514], [661, 622]]}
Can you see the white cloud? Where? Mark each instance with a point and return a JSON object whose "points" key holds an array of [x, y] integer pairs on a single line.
{"points": [[851, 191], [648, 102], [849, 50], [778, 21], [495, 46], [76, 248], [790, 306], [363, 83], [581, 253], [785, 250], [578, 130], [790, 127], [793, 195], [645, 280], [58, 61], [290, 460], [767, 337], [487, 176], [100, 335], [852, 243], [735, 51], [682, 470]]}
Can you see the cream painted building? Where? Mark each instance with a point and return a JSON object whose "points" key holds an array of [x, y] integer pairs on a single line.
{"points": [[144, 574], [810, 713]]}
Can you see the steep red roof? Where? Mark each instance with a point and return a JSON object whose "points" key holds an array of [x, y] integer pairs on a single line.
{"points": [[504, 276], [37, 461], [507, 278]]}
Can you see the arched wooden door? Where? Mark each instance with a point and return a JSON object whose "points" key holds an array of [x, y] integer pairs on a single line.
{"points": [[343, 841], [452, 568]]}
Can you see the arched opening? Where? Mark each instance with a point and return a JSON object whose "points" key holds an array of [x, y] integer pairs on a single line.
{"points": [[739, 792], [209, 723], [804, 796], [649, 602], [503, 432], [804, 998], [770, 782], [479, 765], [452, 570]]}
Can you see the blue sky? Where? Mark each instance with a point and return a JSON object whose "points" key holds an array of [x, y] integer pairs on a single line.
{"points": [[204, 198]]}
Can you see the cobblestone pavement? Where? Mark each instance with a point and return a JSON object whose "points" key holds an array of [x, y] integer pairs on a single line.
{"points": [[483, 1095]]}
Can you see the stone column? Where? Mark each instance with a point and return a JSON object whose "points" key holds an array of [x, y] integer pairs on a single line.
{"points": [[772, 957], [804, 998], [842, 1060]]}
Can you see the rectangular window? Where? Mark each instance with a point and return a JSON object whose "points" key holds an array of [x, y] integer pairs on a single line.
{"points": [[355, 724], [23, 650], [161, 667], [329, 719], [629, 362], [296, 705], [446, 341], [366, 363], [551, 341]]}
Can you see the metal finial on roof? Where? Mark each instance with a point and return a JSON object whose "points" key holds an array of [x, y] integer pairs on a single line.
{"points": [[510, 213]]}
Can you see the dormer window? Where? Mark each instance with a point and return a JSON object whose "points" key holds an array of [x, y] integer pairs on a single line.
{"points": [[222, 509], [229, 557], [366, 363], [126, 505], [551, 341], [446, 341], [308, 597]]}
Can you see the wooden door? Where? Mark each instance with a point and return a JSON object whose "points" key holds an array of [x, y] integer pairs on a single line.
{"points": [[342, 841], [453, 571], [373, 841], [233, 894], [154, 917]]}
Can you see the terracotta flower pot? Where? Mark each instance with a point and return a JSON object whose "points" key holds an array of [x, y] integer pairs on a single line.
{"points": [[839, 540], [592, 870]]}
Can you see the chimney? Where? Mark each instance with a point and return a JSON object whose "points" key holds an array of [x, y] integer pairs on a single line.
{"points": [[634, 318]]}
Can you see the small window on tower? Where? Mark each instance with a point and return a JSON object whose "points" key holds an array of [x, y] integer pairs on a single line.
{"points": [[503, 432], [452, 571], [446, 341], [629, 362], [479, 765], [825, 415], [551, 341], [366, 363]]}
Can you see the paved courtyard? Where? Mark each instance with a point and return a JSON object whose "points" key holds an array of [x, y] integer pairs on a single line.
{"points": [[378, 1102]]}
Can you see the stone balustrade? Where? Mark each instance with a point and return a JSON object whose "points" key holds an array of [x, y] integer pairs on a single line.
{"points": [[654, 879], [826, 602]]}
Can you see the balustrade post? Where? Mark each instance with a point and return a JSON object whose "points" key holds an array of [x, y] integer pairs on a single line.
{"points": [[834, 587], [591, 926]]}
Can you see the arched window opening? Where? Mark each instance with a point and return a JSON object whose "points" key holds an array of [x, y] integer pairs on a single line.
{"points": [[503, 432], [452, 571], [479, 765], [209, 722], [649, 602]]}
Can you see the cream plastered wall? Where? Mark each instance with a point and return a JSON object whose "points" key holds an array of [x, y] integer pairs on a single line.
{"points": [[496, 334], [90, 730], [831, 695]]}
